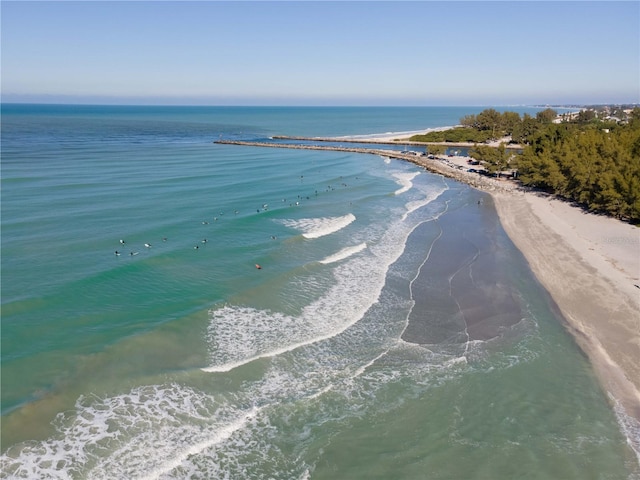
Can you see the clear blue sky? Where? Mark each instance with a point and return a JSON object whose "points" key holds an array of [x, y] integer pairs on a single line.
{"points": [[321, 53]]}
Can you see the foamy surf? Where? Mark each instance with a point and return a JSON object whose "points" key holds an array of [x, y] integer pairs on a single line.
{"points": [[144, 433], [319, 227], [430, 196], [231, 366], [239, 335], [405, 181], [220, 436], [344, 253]]}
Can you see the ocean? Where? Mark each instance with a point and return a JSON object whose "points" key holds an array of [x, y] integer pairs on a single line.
{"points": [[174, 308]]}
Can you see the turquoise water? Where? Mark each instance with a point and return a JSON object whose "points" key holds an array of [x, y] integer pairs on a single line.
{"points": [[392, 331]]}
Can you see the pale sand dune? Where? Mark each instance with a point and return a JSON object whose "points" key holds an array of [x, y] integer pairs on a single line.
{"points": [[590, 265]]}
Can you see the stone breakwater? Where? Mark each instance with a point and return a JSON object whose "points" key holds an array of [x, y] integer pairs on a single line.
{"points": [[434, 165], [397, 141]]}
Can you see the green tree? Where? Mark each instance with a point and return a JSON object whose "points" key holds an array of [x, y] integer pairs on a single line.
{"points": [[594, 163], [436, 149], [509, 122], [585, 116], [526, 129], [597, 168], [490, 120], [469, 121], [540, 171], [495, 160], [548, 115]]}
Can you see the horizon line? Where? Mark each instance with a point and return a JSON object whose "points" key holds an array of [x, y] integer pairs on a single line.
{"points": [[281, 105]]}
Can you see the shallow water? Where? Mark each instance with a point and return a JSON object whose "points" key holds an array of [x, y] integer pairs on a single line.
{"points": [[393, 330]]}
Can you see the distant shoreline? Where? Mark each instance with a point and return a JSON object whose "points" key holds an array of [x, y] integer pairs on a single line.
{"points": [[391, 140]]}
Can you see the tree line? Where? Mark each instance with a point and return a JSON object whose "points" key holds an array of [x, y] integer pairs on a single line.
{"points": [[491, 125], [594, 162]]}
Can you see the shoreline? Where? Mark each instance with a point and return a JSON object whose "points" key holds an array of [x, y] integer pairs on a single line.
{"points": [[402, 139], [588, 263]]}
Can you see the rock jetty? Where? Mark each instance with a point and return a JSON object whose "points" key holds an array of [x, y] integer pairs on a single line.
{"points": [[432, 164]]}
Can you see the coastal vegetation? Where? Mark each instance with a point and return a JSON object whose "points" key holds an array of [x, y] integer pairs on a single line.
{"points": [[491, 125], [590, 157], [593, 163], [460, 134]]}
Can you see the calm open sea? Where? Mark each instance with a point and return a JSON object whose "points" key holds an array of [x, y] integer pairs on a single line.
{"points": [[392, 331]]}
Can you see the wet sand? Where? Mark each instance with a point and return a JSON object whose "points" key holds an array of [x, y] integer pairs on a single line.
{"points": [[464, 286]]}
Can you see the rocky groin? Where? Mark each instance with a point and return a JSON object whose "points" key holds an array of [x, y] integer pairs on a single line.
{"points": [[434, 165]]}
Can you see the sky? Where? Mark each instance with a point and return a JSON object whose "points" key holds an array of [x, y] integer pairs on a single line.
{"points": [[413, 53]]}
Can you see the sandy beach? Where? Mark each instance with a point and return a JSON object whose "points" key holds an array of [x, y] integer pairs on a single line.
{"points": [[590, 265], [403, 137]]}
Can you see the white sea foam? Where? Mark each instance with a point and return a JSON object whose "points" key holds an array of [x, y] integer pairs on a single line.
{"points": [[221, 435], [344, 253], [405, 180], [629, 426], [429, 195], [141, 434], [238, 335], [412, 207], [319, 227]]}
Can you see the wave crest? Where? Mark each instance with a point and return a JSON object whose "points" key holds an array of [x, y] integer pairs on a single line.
{"points": [[344, 253], [404, 180], [319, 227]]}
